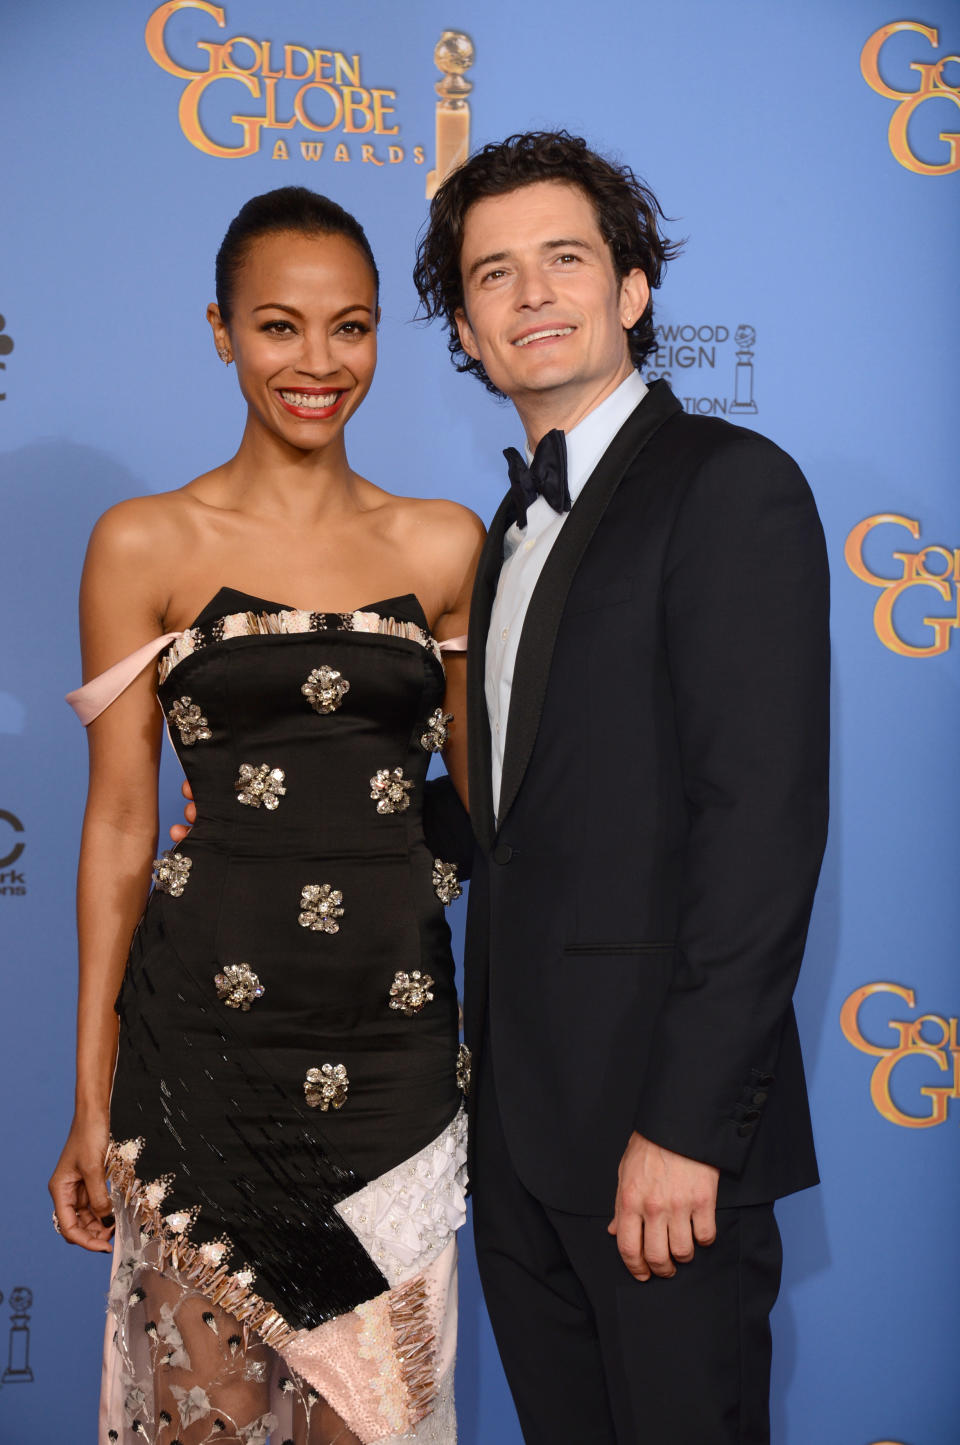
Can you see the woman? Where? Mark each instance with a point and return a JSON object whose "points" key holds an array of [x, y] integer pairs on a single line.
{"points": [[284, 1141]]}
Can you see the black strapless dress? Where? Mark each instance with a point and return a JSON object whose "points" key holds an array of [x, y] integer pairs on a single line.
{"points": [[287, 1155]]}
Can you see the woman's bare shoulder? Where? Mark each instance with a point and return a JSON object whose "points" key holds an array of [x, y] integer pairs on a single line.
{"points": [[441, 524], [137, 526]]}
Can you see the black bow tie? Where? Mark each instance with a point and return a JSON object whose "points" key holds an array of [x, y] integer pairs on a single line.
{"points": [[546, 476]]}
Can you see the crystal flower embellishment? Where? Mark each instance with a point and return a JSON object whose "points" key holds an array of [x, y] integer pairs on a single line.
{"points": [[464, 1061], [390, 790], [171, 873], [321, 906], [446, 884], [437, 731], [410, 991], [238, 986], [186, 717], [325, 689], [260, 785], [326, 1088]]}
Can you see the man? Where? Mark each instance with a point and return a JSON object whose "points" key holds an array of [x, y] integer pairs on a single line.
{"points": [[648, 718]]}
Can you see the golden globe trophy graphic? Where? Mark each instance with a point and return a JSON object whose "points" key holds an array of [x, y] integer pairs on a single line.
{"points": [[18, 1371], [453, 55], [745, 338]]}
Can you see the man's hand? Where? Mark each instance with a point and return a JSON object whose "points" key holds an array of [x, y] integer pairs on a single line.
{"points": [[179, 830], [665, 1203]]}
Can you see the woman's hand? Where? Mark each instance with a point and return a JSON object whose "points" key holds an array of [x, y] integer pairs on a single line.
{"points": [[79, 1187], [179, 831]]}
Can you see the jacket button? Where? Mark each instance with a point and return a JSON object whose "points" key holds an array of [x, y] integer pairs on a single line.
{"points": [[744, 1129], [760, 1097], [502, 853]]}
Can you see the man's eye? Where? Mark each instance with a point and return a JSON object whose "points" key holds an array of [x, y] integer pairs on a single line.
{"points": [[568, 256], [494, 275]]}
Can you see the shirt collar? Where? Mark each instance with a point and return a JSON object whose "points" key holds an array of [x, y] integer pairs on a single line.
{"points": [[589, 439]]}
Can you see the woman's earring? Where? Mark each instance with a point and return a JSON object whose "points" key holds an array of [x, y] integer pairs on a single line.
{"points": [[224, 355]]}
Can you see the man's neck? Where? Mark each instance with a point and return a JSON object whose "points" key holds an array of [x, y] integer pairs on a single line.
{"points": [[561, 408]]}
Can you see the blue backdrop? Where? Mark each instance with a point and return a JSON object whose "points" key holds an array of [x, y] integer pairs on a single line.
{"points": [[809, 152]]}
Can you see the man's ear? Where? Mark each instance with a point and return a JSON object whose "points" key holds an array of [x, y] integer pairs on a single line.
{"points": [[464, 330], [634, 296]]}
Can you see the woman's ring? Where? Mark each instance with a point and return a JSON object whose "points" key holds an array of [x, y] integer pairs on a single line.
{"points": [[56, 1223]]}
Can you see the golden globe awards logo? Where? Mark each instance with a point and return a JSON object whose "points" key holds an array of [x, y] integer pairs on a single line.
{"points": [[241, 90], [931, 1039], [714, 363], [932, 84], [933, 569]]}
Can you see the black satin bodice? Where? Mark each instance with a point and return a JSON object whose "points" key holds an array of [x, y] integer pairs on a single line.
{"points": [[217, 1092]]}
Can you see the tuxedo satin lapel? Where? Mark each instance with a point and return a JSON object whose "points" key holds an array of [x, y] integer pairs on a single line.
{"points": [[535, 653], [478, 721]]}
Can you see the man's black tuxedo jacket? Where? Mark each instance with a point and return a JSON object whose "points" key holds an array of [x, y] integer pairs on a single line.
{"points": [[638, 911]]}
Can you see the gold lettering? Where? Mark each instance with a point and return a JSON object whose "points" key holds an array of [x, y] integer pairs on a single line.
{"points": [[870, 55], [155, 33], [280, 152], [395, 153], [300, 108], [351, 106], [341, 153], [853, 548], [367, 154], [311, 150], [884, 624], [850, 1015], [289, 51], [189, 112], [419, 156], [323, 64], [271, 122], [883, 1099], [381, 109], [265, 70], [899, 141], [344, 69], [230, 64]]}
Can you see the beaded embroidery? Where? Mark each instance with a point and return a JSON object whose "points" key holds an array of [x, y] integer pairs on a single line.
{"points": [[410, 991], [186, 717], [390, 790], [321, 907], [260, 785], [238, 986], [292, 620], [325, 689], [326, 1088], [171, 873], [437, 731], [446, 884]]}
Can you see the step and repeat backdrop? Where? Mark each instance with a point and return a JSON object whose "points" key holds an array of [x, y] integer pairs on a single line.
{"points": [[810, 154]]}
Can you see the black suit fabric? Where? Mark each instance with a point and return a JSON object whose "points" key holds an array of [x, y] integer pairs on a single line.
{"points": [[639, 909]]}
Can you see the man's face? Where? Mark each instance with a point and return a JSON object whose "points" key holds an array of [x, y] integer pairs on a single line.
{"points": [[543, 308]]}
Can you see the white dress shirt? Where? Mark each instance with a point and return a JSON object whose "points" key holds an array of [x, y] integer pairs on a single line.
{"points": [[526, 550]]}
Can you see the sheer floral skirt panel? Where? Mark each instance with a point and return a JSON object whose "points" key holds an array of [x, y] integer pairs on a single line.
{"points": [[180, 1370]]}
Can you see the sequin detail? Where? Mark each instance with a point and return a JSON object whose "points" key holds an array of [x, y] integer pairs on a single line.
{"points": [[261, 784], [446, 884], [327, 1087], [410, 991], [238, 986], [437, 731], [288, 621], [464, 1065], [232, 1291], [325, 689], [390, 790], [171, 873], [186, 717], [321, 907], [405, 1218]]}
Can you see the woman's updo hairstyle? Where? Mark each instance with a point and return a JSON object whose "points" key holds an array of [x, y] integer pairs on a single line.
{"points": [[289, 208]]}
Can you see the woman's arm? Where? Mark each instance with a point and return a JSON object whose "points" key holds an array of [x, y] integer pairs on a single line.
{"points": [[458, 542], [118, 613]]}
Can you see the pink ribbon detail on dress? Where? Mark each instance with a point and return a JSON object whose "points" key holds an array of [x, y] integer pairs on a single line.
{"points": [[453, 644], [89, 701]]}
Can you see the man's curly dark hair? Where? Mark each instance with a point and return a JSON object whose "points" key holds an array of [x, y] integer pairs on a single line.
{"points": [[628, 214]]}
